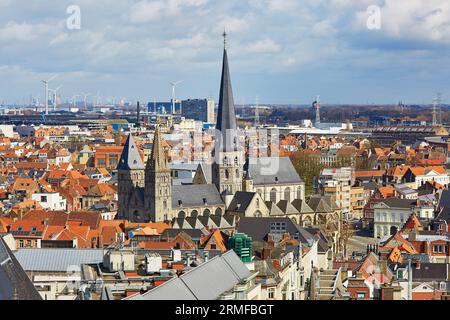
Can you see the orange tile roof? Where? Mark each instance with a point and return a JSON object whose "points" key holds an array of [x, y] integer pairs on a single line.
{"points": [[387, 191], [159, 226], [369, 173], [420, 171]]}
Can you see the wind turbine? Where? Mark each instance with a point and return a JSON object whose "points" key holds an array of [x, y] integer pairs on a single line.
{"points": [[55, 96], [97, 97], [85, 95], [73, 99], [174, 84], [113, 100], [46, 91]]}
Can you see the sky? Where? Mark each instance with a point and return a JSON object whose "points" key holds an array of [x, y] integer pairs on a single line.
{"points": [[280, 51]]}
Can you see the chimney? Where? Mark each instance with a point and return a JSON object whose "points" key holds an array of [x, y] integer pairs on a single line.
{"points": [[100, 241], [418, 265]]}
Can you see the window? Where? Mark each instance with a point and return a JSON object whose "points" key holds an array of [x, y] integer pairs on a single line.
{"points": [[20, 243], [361, 295], [213, 246], [43, 198], [287, 194], [28, 243], [273, 195], [271, 292]]}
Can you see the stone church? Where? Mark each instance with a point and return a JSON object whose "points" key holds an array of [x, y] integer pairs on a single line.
{"points": [[232, 184]]}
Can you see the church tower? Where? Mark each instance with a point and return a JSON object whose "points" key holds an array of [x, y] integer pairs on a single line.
{"points": [[131, 182], [228, 155], [158, 183]]}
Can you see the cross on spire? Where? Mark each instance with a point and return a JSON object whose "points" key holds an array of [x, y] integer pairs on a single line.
{"points": [[224, 35]]}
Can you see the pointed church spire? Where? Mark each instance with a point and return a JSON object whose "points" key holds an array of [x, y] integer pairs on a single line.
{"points": [[157, 158], [130, 158], [226, 115]]}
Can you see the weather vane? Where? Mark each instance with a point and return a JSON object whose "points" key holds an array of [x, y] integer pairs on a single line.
{"points": [[224, 38]]}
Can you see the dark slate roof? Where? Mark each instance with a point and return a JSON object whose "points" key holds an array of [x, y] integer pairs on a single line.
{"points": [[273, 170], [258, 228], [444, 199], [322, 246], [273, 209], [241, 201], [195, 234], [431, 271], [14, 282], [319, 204], [226, 115], [399, 203], [302, 206], [130, 158], [371, 185], [193, 195], [287, 207], [207, 171], [444, 214]]}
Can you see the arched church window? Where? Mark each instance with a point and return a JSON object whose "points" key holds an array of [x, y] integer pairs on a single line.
{"points": [[299, 193], [194, 214], [273, 195], [207, 212], [237, 173], [287, 194], [227, 174], [218, 212]]}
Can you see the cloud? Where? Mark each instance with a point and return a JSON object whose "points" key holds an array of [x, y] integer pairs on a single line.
{"points": [[14, 31], [416, 20], [264, 46], [154, 10], [136, 45]]}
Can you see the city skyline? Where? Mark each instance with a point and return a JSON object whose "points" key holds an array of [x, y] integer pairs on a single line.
{"points": [[284, 52]]}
